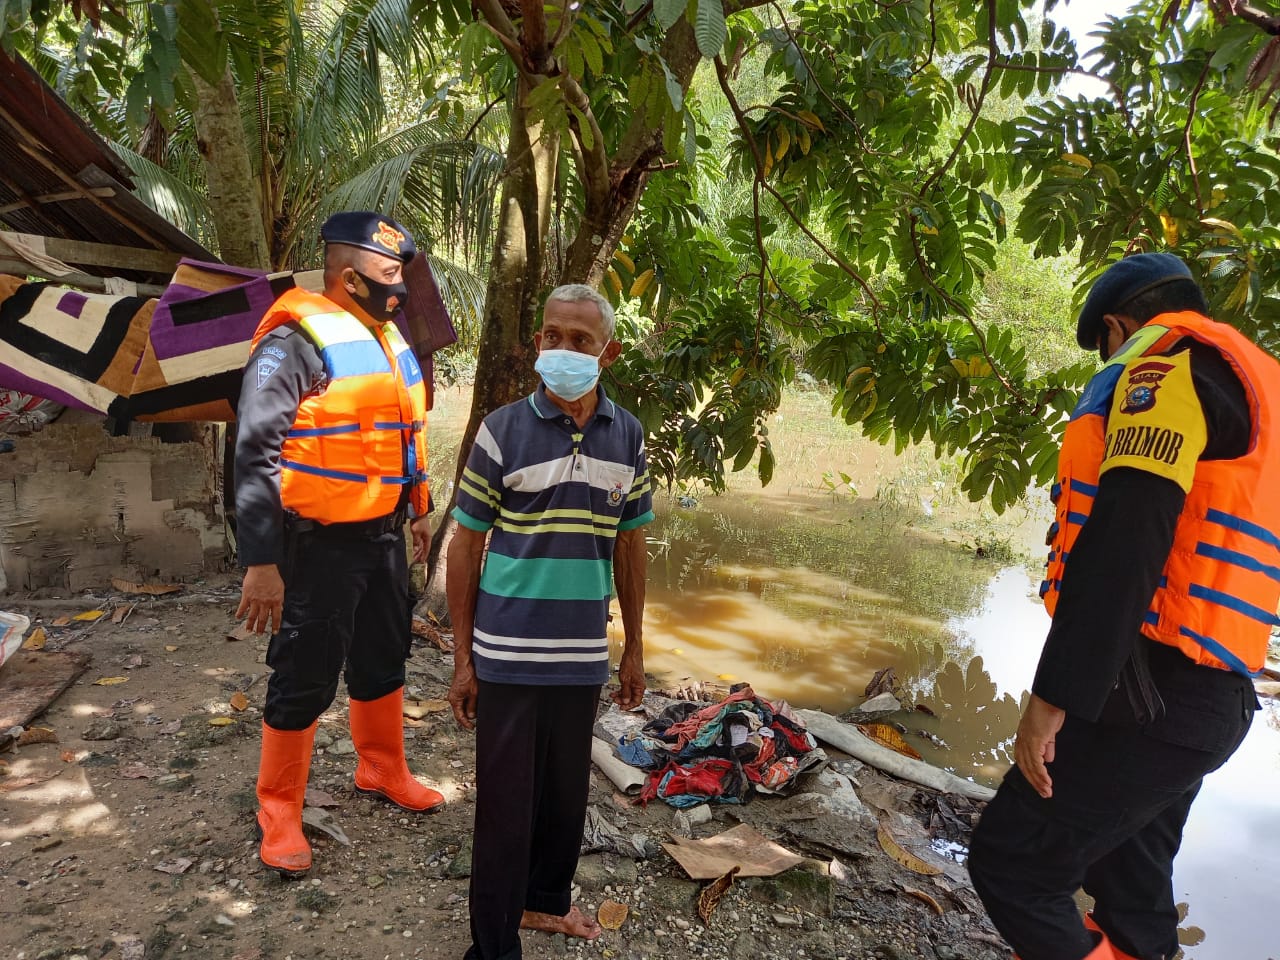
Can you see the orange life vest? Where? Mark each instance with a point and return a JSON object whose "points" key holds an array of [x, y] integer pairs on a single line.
{"points": [[355, 445], [1217, 596]]}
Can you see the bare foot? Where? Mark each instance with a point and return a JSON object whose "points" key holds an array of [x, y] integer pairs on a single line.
{"points": [[573, 924]]}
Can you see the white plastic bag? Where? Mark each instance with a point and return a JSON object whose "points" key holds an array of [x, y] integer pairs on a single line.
{"points": [[14, 627]]}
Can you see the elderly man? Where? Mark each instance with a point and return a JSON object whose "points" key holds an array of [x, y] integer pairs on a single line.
{"points": [[560, 478], [331, 457], [1162, 584]]}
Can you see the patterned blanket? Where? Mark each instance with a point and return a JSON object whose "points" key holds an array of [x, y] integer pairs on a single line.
{"points": [[180, 357]]}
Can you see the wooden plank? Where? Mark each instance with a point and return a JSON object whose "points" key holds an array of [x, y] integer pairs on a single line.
{"points": [[53, 198], [85, 254], [30, 680], [81, 281]]}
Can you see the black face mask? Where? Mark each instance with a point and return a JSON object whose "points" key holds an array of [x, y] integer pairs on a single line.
{"points": [[380, 294]]}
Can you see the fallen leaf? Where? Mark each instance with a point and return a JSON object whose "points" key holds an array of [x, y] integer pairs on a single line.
{"points": [[888, 736], [152, 589], [710, 896], [240, 631], [432, 617], [90, 615], [37, 735], [109, 681], [417, 709], [221, 722], [922, 708], [177, 865], [172, 727], [139, 771], [322, 820], [883, 682], [133, 662], [318, 798], [169, 648], [67, 756], [904, 857], [924, 898], [612, 914], [36, 640], [239, 701], [62, 621], [121, 612]]}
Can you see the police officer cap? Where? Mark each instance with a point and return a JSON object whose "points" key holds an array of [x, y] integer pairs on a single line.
{"points": [[370, 231], [1123, 281]]}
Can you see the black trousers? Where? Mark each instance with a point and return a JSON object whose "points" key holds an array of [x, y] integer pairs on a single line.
{"points": [[533, 773], [346, 604], [1113, 826]]}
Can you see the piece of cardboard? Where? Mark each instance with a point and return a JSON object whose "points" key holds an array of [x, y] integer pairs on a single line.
{"points": [[33, 679], [742, 846]]}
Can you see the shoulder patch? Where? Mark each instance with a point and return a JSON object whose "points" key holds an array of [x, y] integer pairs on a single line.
{"points": [[267, 365], [1156, 423], [270, 350]]}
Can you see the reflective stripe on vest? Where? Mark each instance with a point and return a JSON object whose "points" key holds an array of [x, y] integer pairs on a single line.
{"points": [[1217, 596], [355, 446]]}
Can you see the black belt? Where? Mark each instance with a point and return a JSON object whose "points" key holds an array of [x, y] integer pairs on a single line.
{"points": [[366, 529]]}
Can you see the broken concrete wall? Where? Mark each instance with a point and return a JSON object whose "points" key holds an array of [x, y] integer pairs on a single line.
{"points": [[79, 507]]}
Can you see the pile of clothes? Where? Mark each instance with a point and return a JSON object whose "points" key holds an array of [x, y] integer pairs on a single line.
{"points": [[722, 752]]}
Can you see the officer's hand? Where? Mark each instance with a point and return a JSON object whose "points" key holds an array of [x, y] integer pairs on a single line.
{"points": [[1035, 747], [420, 528], [462, 695], [262, 597], [630, 680]]}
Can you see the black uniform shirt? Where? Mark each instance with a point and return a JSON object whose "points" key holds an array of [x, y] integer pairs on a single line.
{"points": [[1113, 572], [285, 368]]}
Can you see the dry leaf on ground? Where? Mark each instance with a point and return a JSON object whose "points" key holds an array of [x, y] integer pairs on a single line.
{"points": [[37, 735], [318, 798], [90, 615], [67, 756], [924, 898], [62, 621], [239, 701], [710, 896], [121, 612], [152, 589], [36, 640], [612, 914], [169, 648], [109, 681], [888, 736], [904, 857], [240, 631], [417, 709], [221, 722]]}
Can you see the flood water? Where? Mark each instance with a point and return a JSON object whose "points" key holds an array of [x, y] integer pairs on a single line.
{"points": [[807, 596]]}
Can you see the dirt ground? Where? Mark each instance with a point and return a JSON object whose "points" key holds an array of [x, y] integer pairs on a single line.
{"points": [[131, 836]]}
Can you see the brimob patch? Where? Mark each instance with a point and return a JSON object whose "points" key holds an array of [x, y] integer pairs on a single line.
{"points": [[1144, 381], [266, 367]]}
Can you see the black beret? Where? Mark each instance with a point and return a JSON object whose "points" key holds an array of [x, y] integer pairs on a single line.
{"points": [[370, 231], [1123, 281]]}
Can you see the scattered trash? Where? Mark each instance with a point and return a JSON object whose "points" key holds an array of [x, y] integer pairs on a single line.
{"points": [[888, 736], [709, 897], [623, 776], [742, 846], [176, 866], [13, 626], [612, 914], [239, 701], [599, 834], [151, 589], [417, 709]]}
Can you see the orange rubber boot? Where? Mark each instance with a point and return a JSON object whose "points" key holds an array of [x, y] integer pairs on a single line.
{"points": [[377, 730], [1115, 951], [282, 783], [1103, 951]]}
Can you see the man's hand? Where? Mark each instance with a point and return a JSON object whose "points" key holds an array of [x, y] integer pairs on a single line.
{"points": [[630, 679], [462, 695], [420, 528], [262, 597], [1034, 746]]}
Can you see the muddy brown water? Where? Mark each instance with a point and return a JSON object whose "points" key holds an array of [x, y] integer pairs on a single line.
{"points": [[807, 596]]}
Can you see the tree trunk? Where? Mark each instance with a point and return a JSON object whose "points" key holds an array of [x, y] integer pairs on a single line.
{"points": [[504, 364], [233, 191]]}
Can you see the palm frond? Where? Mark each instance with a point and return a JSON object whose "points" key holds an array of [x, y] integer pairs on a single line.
{"points": [[170, 196]]}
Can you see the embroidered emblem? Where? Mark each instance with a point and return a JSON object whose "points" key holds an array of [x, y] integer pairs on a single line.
{"points": [[615, 495], [389, 237], [266, 367], [1144, 381], [272, 351]]}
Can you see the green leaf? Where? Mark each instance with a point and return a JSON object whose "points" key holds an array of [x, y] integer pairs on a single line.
{"points": [[668, 12], [710, 28]]}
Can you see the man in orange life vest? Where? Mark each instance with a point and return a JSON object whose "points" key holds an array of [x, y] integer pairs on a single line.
{"points": [[331, 461], [1163, 582]]}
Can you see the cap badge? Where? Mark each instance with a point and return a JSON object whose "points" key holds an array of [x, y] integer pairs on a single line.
{"points": [[389, 237]]}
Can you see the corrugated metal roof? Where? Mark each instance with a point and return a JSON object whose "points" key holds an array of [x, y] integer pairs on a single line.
{"points": [[60, 179]]}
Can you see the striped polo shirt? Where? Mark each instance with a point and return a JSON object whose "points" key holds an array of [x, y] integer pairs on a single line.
{"points": [[555, 497]]}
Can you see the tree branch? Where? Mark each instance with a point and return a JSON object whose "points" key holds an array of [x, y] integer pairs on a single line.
{"points": [[933, 40], [533, 33], [595, 161], [475, 124], [1186, 138], [992, 52]]}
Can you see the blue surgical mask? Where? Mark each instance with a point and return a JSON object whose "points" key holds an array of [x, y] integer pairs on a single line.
{"points": [[568, 374]]}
